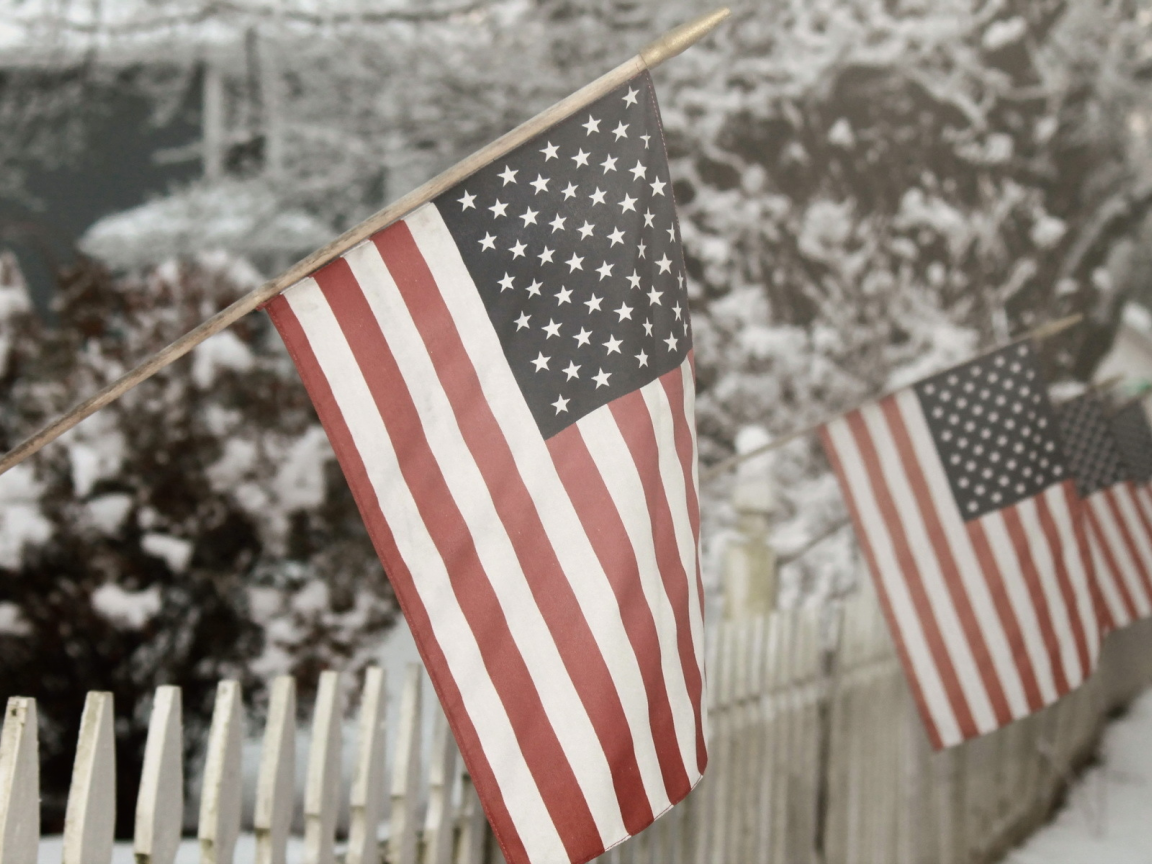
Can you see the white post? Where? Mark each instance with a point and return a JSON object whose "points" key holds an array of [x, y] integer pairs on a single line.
{"points": [[367, 797], [90, 820], [220, 793], [160, 802], [406, 772], [438, 823], [275, 784], [470, 842], [19, 783], [212, 133], [322, 792]]}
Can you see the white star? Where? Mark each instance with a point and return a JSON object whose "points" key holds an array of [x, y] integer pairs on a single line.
{"points": [[534, 289], [643, 358], [517, 250], [558, 223], [597, 197], [648, 217], [467, 201], [593, 304], [616, 236], [609, 164], [563, 296], [498, 209], [573, 371], [575, 263], [546, 256], [676, 309], [522, 321], [551, 328], [645, 138], [585, 230], [671, 343], [639, 171], [508, 175], [488, 242], [634, 279], [540, 184], [569, 191], [591, 126], [629, 203], [505, 283], [561, 404], [654, 298], [529, 217], [613, 345], [605, 269], [664, 264], [640, 250], [658, 186], [680, 278], [549, 151], [672, 233], [582, 337], [648, 327], [581, 158], [630, 97], [621, 131], [625, 311], [541, 362], [601, 379]]}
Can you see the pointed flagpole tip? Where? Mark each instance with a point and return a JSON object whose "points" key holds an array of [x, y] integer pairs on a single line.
{"points": [[678, 39]]}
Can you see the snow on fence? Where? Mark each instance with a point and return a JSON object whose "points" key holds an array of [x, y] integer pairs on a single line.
{"points": [[816, 755]]}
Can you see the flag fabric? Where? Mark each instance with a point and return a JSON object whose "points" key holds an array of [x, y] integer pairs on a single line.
{"points": [[1134, 438], [1117, 511], [970, 522], [506, 378]]}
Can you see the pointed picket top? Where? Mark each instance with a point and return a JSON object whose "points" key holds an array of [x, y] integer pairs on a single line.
{"points": [[367, 797], [275, 785], [322, 789], [220, 798], [160, 803], [90, 820], [438, 827], [19, 783], [406, 771]]}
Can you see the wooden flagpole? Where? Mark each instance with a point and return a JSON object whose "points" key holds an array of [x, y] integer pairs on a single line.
{"points": [[1042, 332], [667, 46]]}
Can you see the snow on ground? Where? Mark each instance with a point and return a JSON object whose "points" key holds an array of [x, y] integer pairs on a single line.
{"points": [[1108, 816]]}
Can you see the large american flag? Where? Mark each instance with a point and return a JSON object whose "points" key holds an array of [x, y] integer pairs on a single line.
{"points": [[970, 521], [1118, 512], [506, 378]]}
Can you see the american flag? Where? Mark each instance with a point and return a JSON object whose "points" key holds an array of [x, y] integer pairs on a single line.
{"points": [[1118, 512], [506, 378], [969, 519], [1134, 438]]}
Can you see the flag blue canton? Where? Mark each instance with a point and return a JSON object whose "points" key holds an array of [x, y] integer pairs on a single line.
{"points": [[573, 243], [1134, 436], [1088, 442]]}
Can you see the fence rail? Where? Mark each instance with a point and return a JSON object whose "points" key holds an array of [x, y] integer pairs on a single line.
{"points": [[816, 757]]}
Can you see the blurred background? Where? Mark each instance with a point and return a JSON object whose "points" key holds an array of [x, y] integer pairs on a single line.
{"points": [[869, 190]]}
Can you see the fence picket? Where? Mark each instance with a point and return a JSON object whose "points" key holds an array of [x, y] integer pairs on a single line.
{"points": [[406, 771], [366, 800], [472, 824], [275, 784], [220, 792], [322, 788], [90, 819], [19, 783], [160, 802], [438, 822]]}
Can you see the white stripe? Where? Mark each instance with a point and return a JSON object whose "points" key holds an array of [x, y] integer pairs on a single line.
{"points": [[1044, 561], [892, 577], [450, 627], [609, 451], [1105, 576], [1126, 499], [557, 513], [1115, 540], [1016, 588], [493, 546], [929, 567], [975, 581], [1073, 558]]}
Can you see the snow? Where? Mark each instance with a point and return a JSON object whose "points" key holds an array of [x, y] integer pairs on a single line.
{"points": [[107, 512], [1137, 317], [1108, 816], [128, 610], [300, 480], [21, 522], [12, 621], [1003, 33], [95, 451], [222, 351], [175, 552]]}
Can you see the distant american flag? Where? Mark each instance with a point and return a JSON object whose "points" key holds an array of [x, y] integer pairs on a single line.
{"points": [[1117, 510], [971, 525], [506, 377]]}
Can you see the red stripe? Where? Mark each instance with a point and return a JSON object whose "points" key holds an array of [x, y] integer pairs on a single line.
{"points": [[1080, 510], [1019, 537], [581, 654], [1008, 620], [885, 602], [947, 562], [1129, 541], [1063, 577], [674, 387], [635, 424], [602, 523], [449, 531], [911, 573], [401, 578], [1104, 547]]}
